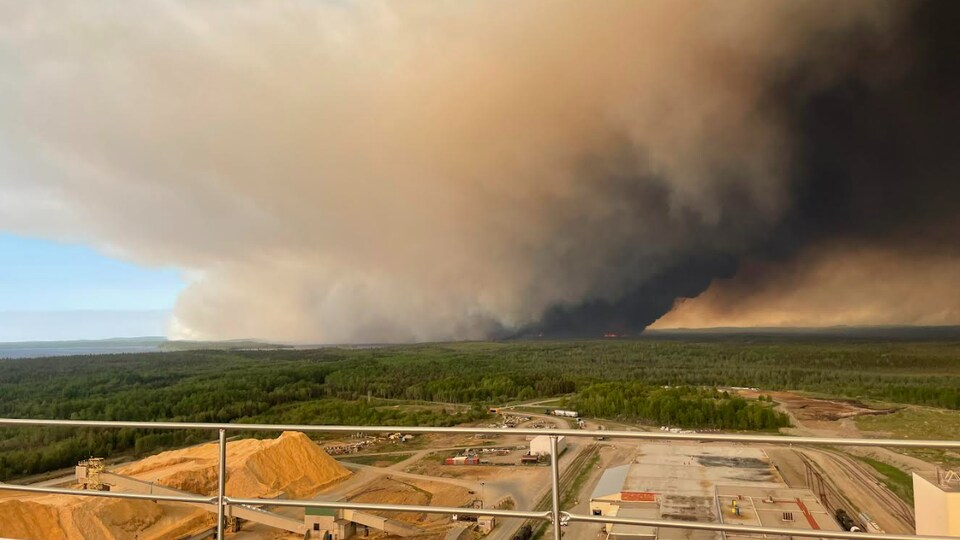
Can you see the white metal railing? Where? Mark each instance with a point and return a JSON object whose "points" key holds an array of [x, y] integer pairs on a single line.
{"points": [[556, 516]]}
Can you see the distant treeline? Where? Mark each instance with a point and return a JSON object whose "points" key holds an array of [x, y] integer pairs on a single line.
{"points": [[681, 406], [332, 386]]}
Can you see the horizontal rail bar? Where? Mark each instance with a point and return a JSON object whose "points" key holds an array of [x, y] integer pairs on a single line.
{"points": [[746, 529], [110, 494], [640, 435], [545, 515]]}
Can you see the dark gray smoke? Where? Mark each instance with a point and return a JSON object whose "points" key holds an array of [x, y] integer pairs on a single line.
{"points": [[876, 152], [874, 183]]}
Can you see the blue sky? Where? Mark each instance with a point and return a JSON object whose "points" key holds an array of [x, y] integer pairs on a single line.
{"points": [[50, 290]]}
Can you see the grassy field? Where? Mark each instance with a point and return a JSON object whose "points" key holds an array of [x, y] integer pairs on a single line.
{"points": [[897, 481], [913, 422]]}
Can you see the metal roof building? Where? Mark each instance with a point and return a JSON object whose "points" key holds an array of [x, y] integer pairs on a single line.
{"points": [[704, 483]]}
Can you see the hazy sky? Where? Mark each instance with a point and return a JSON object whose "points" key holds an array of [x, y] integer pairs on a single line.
{"points": [[51, 290], [427, 170]]}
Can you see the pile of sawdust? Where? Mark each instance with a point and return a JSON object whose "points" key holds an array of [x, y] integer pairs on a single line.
{"points": [[412, 492], [27, 519], [291, 464], [72, 518], [127, 515]]}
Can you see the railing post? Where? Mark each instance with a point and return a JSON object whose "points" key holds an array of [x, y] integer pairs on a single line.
{"points": [[555, 485], [221, 483]]}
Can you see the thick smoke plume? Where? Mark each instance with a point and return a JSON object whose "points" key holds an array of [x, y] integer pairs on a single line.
{"points": [[398, 171], [872, 235]]}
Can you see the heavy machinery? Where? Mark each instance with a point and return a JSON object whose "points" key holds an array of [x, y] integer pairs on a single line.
{"points": [[88, 474], [525, 533]]}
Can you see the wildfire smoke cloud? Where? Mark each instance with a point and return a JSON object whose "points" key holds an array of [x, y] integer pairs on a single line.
{"points": [[382, 171]]}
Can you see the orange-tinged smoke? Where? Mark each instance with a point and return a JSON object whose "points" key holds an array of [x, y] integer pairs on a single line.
{"points": [[830, 286]]}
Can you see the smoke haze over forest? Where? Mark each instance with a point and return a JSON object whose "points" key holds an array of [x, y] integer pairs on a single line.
{"points": [[410, 171]]}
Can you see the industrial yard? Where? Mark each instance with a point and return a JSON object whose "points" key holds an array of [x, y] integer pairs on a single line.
{"points": [[291, 466], [764, 485]]}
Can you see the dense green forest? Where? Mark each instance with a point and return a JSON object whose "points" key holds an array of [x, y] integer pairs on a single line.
{"points": [[333, 385], [685, 406]]}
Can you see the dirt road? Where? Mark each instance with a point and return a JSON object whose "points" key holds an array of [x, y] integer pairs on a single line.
{"points": [[527, 493]]}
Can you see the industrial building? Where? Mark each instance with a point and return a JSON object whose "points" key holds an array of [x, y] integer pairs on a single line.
{"points": [[705, 483], [780, 507], [485, 524], [936, 496], [540, 445], [322, 523]]}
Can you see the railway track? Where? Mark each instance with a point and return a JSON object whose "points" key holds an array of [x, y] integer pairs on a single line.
{"points": [[566, 476], [864, 479], [896, 505]]}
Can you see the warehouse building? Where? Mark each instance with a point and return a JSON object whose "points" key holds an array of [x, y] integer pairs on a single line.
{"points": [[540, 445]]}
